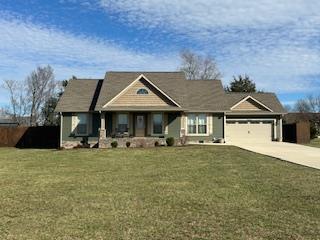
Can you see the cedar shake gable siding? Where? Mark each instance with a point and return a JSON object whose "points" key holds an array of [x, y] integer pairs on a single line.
{"points": [[131, 98]]}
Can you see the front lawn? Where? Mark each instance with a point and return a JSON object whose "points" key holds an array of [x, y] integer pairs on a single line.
{"points": [[200, 192]]}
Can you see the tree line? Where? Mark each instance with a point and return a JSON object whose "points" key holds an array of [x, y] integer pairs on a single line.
{"points": [[32, 101]]}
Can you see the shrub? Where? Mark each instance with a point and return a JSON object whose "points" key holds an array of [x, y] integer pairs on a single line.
{"points": [[128, 144], [156, 144], [114, 144], [170, 141], [313, 131]]}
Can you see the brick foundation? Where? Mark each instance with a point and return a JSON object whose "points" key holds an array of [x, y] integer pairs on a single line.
{"points": [[72, 144]]}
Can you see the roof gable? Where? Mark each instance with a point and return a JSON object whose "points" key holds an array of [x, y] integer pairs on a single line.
{"points": [[130, 97], [170, 83], [250, 104]]}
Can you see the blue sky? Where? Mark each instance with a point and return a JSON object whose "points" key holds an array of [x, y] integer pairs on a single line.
{"points": [[275, 42]]}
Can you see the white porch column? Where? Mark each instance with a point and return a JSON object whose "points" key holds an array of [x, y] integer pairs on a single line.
{"points": [[183, 125], [103, 121], [102, 125], [275, 135], [280, 129]]}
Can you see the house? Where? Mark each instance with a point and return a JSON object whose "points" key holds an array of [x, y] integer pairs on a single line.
{"points": [[8, 122], [147, 107]]}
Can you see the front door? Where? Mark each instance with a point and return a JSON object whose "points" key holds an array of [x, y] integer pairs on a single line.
{"points": [[140, 125]]}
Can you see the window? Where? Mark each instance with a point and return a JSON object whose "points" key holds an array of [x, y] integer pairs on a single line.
{"points": [[142, 91], [192, 124], [82, 124], [197, 124], [202, 124], [123, 122], [157, 123]]}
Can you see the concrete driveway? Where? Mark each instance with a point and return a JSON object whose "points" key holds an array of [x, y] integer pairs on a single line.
{"points": [[299, 154]]}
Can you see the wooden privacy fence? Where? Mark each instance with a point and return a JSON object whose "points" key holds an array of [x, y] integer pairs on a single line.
{"points": [[30, 137], [296, 132]]}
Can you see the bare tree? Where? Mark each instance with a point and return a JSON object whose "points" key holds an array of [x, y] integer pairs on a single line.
{"points": [[41, 86], [18, 103], [199, 67], [3, 113], [302, 106], [11, 86], [309, 104], [287, 107], [314, 103], [49, 117]]}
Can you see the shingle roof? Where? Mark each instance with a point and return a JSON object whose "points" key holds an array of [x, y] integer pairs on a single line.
{"points": [[294, 117], [80, 96], [171, 83], [268, 99], [84, 95], [204, 95]]}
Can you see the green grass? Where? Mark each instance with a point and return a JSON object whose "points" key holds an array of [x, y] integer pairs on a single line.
{"points": [[314, 143], [213, 192]]}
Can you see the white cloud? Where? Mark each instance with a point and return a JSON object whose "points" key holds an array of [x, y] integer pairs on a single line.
{"points": [[24, 45], [283, 69], [208, 14], [276, 42]]}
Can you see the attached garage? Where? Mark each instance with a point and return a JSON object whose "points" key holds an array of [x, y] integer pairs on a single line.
{"points": [[253, 119], [249, 130]]}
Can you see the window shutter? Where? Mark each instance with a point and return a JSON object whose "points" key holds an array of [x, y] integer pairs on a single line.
{"points": [[165, 122], [211, 124], [74, 123]]}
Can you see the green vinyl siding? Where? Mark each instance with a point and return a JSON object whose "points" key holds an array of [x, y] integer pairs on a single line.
{"points": [[174, 125], [96, 121], [67, 134], [66, 126], [218, 125], [217, 130], [109, 123]]}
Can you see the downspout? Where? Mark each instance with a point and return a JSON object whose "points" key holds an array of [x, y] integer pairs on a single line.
{"points": [[61, 126], [224, 126]]}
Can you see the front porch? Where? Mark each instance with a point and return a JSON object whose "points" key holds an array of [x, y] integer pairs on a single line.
{"points": [[140, 129]]}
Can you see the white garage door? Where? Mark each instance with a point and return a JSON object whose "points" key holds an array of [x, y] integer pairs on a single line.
{"points": [[247, 131]]}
